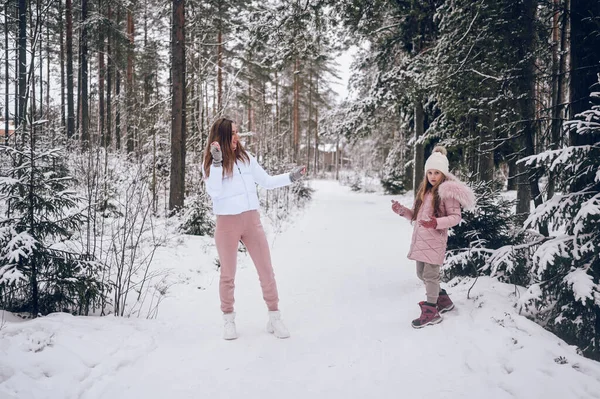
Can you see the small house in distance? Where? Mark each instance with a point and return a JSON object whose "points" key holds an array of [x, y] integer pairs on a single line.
{"points": [[3, 132]]}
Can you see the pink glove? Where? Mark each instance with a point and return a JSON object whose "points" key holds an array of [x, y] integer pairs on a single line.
{"points": [[399, 208], [429, 224]]}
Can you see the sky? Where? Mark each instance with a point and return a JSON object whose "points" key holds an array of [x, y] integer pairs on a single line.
{"points": [[344, 60]]}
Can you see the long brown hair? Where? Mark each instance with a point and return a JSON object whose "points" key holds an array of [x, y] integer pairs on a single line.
{"points": [[222, 132], [424, 188]]}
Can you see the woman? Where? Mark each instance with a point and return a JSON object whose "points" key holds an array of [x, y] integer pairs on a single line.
{"points": [[231, 175]]}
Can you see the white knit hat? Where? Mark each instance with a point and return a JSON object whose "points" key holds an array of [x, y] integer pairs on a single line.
{"points": [[437, 160]]}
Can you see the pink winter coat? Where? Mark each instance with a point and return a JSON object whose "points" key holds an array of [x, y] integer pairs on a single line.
{"points": [[429, 245]]}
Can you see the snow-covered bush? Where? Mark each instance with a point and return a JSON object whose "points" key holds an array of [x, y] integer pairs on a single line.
{"points": [[394, 179], [356, 183], [197, 216], [566, 294], [302, 192], [487, 241], [37, 274]]}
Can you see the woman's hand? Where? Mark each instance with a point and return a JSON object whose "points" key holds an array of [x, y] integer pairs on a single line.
{"points": [[217, 155], [399, 208], [297, 173]]}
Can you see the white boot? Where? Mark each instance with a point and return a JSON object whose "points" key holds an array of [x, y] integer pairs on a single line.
{"points": [[275, 325], [229, 331]]}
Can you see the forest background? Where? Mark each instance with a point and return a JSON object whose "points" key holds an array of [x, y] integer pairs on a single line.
{"points": [[107, 106]]}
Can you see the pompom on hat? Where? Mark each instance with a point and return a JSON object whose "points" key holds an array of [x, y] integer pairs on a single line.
{"points": [[438, 160]]}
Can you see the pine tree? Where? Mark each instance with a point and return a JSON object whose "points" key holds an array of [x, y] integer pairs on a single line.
{"points": [[37, 275], [566, 267], [486, 241]]}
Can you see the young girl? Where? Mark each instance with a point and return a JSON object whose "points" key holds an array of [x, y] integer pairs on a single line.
{"points": [[231, 175], [436, 209]]}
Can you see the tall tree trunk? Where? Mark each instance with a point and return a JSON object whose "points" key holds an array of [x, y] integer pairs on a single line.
{"points": [[177, 186], [40, 33], [511, 184], [277, 114], [316, 150], [61, 34], [584, 57], [101, 78], [17, 82], [6, 75], [31, 81], [22, 71], [83, 62], [250, 110], [528, 94], [47, 67], [296, 110], [109, 77], [557, 95], [70, 96], [419, 162], [31, 211], [220, 63], [308, 126], [119, 100], [486, 148], [129, 88], [523, 192], [147, 74], [338, 158]]}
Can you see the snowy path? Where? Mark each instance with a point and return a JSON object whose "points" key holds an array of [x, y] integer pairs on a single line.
{"points": [[348, 294]]}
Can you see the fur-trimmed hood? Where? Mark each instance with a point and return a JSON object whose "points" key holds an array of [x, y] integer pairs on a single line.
{"points": [[455, 189]]}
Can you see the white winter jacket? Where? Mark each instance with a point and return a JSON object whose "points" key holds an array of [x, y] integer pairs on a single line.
{"points": [[232, 195]]}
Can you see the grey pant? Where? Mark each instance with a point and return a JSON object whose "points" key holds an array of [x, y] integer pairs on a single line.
{"points": [[430, 275]]}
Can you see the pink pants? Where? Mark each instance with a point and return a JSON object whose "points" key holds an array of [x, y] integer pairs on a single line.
{"points": [[229, 231]]}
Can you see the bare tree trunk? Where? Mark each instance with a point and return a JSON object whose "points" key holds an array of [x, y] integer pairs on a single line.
{"points": [[31, 84], [557, 96], [308, 127], [70, 96], [22, 62], [511, 184], [101, 77], [316, 151], [6, 75], [31, 210], [61, 34], [277, 116], [109, 81], [83, 62], [17, 101], [486, 148], [584, 56], [528, 94], [219, 65], [47, 66], [129, 128], [177, 187], [40, 31], [118, 107], [250, 116], [296, 111], [419, 162]]}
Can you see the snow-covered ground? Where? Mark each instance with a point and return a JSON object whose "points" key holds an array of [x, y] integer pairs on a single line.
{"points": [[348, 294]]}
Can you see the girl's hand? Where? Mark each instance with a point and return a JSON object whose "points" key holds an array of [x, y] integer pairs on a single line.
{"points": [[399, 208], [429, 224], [217, 155]]}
